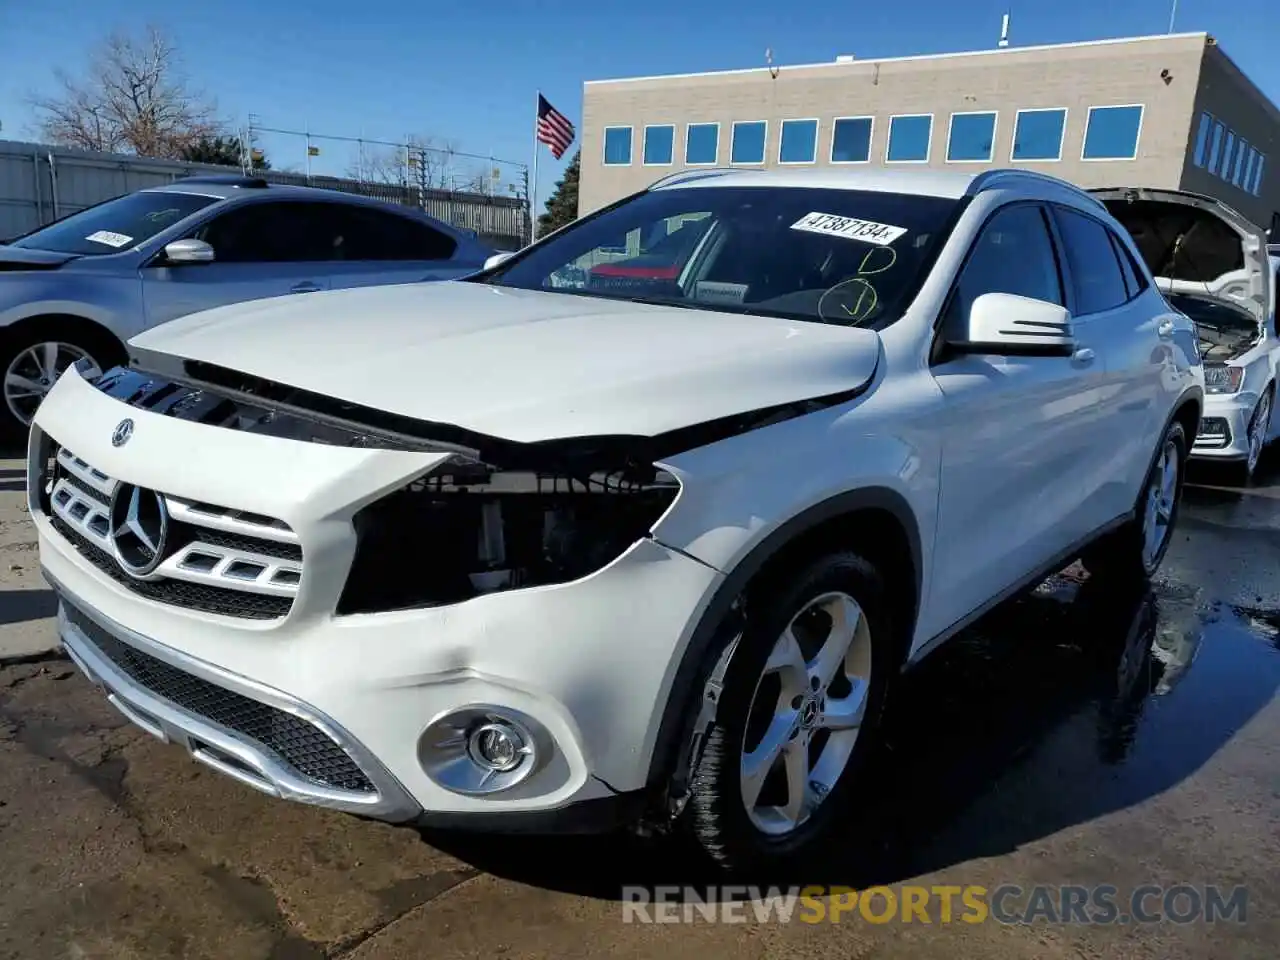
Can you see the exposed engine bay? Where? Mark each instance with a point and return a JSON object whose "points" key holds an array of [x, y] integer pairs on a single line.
{"points": [[1224, 330]]}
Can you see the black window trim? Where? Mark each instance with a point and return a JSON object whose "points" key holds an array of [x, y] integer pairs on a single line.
{"points": [[1055, 208], [938, 350]]}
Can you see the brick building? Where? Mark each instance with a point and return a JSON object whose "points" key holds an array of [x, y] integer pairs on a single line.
{"points": [[1170, 111]]}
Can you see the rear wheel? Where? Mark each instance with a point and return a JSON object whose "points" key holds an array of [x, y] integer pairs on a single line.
{"points": [[1136, 550], [32, 359], [801, 703]]}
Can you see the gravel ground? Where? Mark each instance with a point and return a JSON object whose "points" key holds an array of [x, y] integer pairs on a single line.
{"points": [[1068, 739]]}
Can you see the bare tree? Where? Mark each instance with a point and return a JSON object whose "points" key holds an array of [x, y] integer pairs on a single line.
{"points": [[427, 163], [133, 98]]}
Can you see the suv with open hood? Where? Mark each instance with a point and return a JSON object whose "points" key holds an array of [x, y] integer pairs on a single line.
{"points": [[1216, 267]]}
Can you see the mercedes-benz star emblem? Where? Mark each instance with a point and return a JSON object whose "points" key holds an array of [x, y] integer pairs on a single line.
{"points": [[123, 431], [139, 528]]}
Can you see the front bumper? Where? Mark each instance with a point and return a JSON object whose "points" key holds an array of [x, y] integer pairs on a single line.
{"points": [[590, 661], [1224, 427]]}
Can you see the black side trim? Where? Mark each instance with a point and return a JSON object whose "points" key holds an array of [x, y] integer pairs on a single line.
{"points": [[600, 815], [208, 393], [684, 693], [1013, 349]]}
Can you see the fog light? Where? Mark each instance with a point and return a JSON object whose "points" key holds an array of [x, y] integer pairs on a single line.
{"points": [[497, 746], [482, 749]]}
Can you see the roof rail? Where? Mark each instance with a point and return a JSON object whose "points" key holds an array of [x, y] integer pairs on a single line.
{"points": [[990, 179], [226, 180], [686, 176]]}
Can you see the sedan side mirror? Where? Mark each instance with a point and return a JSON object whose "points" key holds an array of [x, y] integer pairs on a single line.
{"points": [[1005, 324], [188, 251], [497, 259]]}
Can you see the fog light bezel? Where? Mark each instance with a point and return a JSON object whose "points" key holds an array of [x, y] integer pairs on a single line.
{"points": [[447, 749]]}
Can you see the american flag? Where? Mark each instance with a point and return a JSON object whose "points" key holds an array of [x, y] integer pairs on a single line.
{"points": [[554, 129]]}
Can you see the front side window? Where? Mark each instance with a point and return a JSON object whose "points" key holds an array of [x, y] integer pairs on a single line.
{"points": [[748, 141], [617, 146], [1017, 233], [831, 256], [972, 137], [119, 224], [1111, 133], [659, 145], [1037, 134], [1096, 277], [909, 138], [702, 144], [851, 140], [274, 232], [799, 141]]}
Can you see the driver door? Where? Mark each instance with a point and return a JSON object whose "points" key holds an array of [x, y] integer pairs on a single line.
{"points": [[1020, 433]]}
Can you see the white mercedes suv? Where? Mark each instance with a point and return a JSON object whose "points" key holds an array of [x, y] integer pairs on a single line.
{"points": [[556, 547]]}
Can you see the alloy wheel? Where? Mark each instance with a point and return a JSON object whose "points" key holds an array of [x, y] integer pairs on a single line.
{"points": [[33, 372], [806, 713], [1162, 493], [1258, 432]]}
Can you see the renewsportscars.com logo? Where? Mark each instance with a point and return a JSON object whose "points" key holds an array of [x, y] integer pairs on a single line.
{"points": [[1007, 903]]}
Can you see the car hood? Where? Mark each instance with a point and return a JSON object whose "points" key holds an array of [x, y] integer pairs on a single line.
{"points": [[522, 365], [23, 258], [1196, 244]]}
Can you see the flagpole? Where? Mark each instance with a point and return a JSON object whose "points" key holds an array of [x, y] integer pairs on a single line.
{"points": [[533, 178]]}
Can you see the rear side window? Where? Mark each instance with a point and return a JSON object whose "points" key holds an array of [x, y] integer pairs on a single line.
{"points": [[1096, 276], [368, 234]]}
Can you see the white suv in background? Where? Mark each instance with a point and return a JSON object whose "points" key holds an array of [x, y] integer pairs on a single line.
{"points": [[528, 552]]}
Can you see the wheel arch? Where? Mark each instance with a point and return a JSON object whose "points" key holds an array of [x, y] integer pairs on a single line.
{"points": [[91, 329], [876, 521]]}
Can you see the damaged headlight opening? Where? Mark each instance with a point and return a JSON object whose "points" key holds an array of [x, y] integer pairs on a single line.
{"points": [[466, 529], [1223, 379]]}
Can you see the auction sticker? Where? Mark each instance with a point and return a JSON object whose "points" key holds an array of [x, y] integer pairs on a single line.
{"points": [[850, 228], [109, 238]]}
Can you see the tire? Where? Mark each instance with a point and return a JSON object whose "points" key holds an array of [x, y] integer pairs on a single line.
{"points": [[25, 374], [1259, 425], [718, 816], [1124, 554]]}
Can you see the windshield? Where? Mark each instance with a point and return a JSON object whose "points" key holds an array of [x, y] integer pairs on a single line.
{"points": [[117, 224], [847, 257]]}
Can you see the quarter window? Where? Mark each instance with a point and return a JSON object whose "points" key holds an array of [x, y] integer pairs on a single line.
{"points": [[1096, 278], [972, 137], [1037, 134], [659, 145], [617, 146], [851, 140], [748, 141], [799, 141], [909, 137], [702, 144], [1015, 234], [1134, 281], [1111, 133]]}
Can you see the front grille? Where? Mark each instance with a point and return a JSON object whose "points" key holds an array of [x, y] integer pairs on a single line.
{"points": [[215, 560], [297, 743]]}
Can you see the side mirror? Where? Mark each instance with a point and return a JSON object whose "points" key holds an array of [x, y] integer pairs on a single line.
{"points": [[496, 259], [188, 251], [1009, 325]]}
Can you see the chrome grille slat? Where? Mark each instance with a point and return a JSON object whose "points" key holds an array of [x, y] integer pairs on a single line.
{"points": [[229, 521]]}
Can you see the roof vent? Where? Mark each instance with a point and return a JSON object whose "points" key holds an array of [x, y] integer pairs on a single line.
{"points": [[845, 58]]}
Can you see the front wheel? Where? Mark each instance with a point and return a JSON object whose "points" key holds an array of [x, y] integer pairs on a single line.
{"points": [[801, 703], [1259, 428], [1136, 550], [31, 362]]}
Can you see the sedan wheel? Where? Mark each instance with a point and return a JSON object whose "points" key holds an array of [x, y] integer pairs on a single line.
{"points": [[806, 713], [1258, 430], [34, 370]]}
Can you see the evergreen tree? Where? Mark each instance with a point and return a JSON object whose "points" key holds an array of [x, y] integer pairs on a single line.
{"points": [[562, 208], [222, 150]]}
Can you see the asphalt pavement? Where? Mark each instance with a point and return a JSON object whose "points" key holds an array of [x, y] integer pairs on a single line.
{"points": [[1079, 735]]}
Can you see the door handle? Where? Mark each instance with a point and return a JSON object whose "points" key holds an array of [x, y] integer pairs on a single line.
{"points": [[1165, 330], [306, 286], [1083, 355]]}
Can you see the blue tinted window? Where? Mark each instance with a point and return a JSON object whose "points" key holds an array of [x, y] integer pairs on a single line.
{"points": [[659, 144], [1037, 135], [1242, 152], [703, 143], [1228, 151], [1257, 175], [748, 142], [851, 140], [973, 136], [1215, 146], [909, 138], [1112, 133], [617, 146], [799, 143], [1248, 168], [1202, 139]]}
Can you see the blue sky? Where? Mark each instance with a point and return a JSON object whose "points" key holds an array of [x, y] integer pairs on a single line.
{"points": [[469, 72]]}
